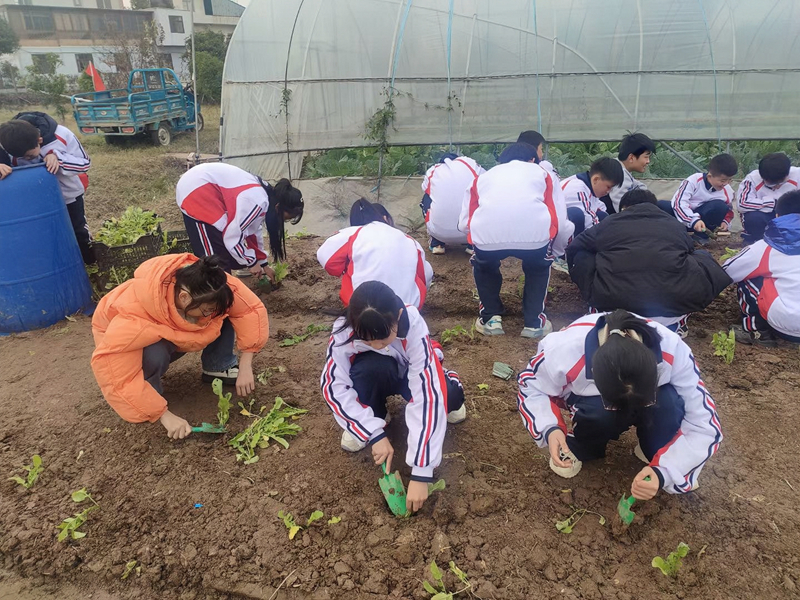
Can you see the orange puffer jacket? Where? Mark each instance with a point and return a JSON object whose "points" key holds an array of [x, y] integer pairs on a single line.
{"points": [[141, 312]]}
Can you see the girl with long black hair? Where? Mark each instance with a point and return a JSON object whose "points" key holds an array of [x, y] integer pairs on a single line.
{"points": [[612, 371]]}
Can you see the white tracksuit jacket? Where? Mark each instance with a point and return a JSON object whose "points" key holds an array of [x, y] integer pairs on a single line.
{"points": [[629, 182], [580, 195], [446, 184], [72, 160], [560, 369], [377, 252], [754, 195], [516, 206], [770, 258], [695, 191], [232, 201], [426, 414]]}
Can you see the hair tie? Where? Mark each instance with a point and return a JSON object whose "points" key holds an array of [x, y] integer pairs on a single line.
{"points": [[621, 332]]}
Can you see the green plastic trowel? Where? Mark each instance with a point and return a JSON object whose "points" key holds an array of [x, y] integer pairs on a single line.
{"points": [[209, 428], [395, 492], [624, 508]]}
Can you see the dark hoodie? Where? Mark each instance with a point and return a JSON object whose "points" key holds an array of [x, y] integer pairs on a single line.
{"points": [[43, 122]]}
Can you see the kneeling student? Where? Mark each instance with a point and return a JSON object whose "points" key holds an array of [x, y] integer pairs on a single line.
{"points": [[582, 192], [759, 191], [379, 348], [613, 371], [768, 274]]}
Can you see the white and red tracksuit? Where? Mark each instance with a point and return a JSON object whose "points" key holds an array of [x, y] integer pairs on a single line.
{"points": [[72, 160], [695, 191], [578, 193], [232, 201], [426, 413], [516, 206], [768, 272], [754, 195], [377, 252], [559, 369], [445, 183]]}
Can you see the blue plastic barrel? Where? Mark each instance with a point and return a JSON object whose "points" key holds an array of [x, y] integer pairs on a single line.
{"points": [[42, 278]]}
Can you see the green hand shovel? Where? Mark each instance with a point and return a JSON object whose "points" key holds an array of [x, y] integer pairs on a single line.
{"points": [[394, 491], [209, 428], [624, 507]]}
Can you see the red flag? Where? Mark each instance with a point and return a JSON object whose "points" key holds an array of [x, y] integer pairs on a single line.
{"points": [[99, 86]]}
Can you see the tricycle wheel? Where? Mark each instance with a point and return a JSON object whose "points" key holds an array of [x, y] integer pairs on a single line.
{"points": [[163, 135], [200, 122]]}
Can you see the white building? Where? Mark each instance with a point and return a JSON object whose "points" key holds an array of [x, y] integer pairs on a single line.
{"points": [[78, 31]]}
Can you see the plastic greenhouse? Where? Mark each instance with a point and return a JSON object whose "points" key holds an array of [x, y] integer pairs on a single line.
{"points": [[307, 75]]}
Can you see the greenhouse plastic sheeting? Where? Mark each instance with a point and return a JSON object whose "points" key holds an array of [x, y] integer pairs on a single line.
{"points": [[306, 75]]}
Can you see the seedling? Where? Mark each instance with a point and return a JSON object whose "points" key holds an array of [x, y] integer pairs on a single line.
{"points": [[439, 590], [294, 528], [729, 253], [264, 376], [483, 387], [448, 335], [132, 224], [130, 567], [310, 330], [223, 404], [33, 470], [568, 524], [281, 271], [672, 565], [724, 345], [69, 527], [274, 426], [300, 234]]}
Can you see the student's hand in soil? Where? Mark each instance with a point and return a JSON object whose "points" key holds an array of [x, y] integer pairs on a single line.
{"points": [[256, 270], [723, 226], [270, 274], [5, 171], [557, 443], [177, 428], [382, 452], [245, 382], [51, 162], [416, 496], [699, 227], [645, 490]]}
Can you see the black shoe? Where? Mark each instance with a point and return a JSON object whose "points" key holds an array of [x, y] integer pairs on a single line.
{"points": [[767, 339]]}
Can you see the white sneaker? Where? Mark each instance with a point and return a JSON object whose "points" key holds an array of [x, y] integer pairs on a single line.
{"points": [[559, 264], [457, 416], [437, 249], [567, 472], [638, 453], [241, 273], [493, 326], [351, 443], [228, 377], [537, 333], [469, 250]]}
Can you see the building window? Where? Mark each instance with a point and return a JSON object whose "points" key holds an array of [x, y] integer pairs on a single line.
{"points": [[77, 2], [25, 2], [165, 61], [176, 24], [83, 61], [39, 21], [104, 4]]}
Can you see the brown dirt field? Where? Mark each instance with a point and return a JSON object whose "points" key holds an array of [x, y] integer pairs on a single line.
{"points": [[496, 519]]}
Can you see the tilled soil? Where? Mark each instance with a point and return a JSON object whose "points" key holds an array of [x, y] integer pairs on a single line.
{"points": [[496, 519]]}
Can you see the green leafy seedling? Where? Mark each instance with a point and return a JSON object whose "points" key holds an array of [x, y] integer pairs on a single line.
{"points": [[33, 471], [275, 426], [223, 404], [131, 225], [294, 528], [724, 345], [568, 524], [729, 253], [334, 520], [314, 516], [281, 271], [437, 589], [309, 331], [267, 373], [672, 565], [130, 567], [69, 527]]}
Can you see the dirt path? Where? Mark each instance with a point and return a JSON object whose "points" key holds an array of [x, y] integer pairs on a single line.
{"points": [[495, 520]]}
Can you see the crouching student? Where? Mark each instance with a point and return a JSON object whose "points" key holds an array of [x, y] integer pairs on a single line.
{"points": [[634, 154], [582, 192], [380, 348], [759, 191], [514, 209], [642, 260], [174, 304], [768, 274], [611, 372], [371, 249], [443, 189], [536, 139], [703, 201]]}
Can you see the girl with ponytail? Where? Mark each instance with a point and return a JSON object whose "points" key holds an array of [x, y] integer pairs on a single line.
{"points": [[612, 371], [174, 304]]}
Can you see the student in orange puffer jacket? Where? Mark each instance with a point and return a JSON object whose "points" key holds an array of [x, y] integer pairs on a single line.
{"points": [[174, 304]]}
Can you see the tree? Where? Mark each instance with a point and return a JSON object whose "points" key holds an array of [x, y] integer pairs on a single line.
{"points": [[210, 57], [9, 40], [42, 77], [125, 53], [9, 73]]}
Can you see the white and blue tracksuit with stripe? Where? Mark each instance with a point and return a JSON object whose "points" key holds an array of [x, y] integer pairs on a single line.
{"points": [[426, 413], [562, 367]]}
